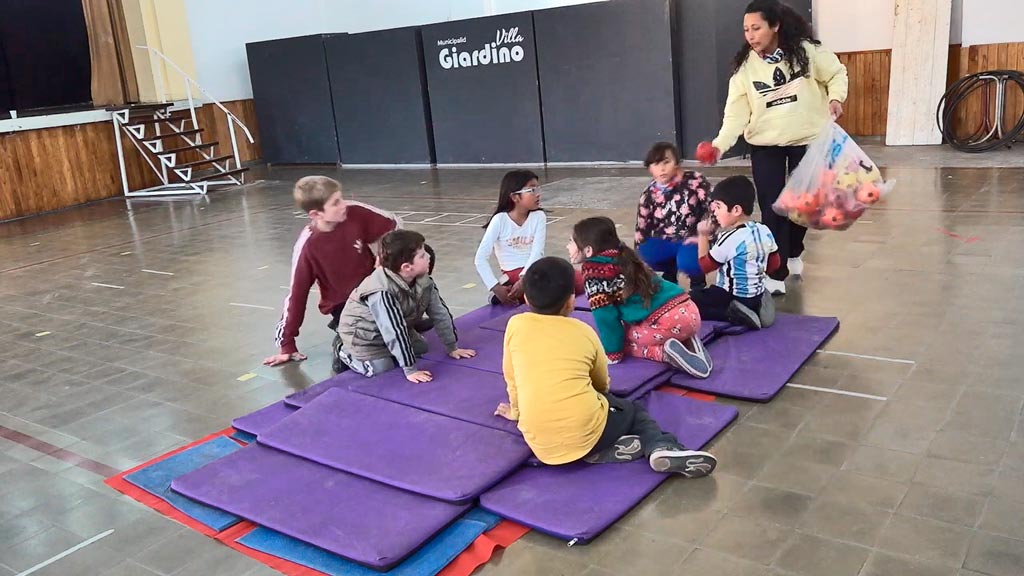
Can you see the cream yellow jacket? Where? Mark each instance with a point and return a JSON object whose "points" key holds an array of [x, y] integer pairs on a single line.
{"points": [[771, 106]]}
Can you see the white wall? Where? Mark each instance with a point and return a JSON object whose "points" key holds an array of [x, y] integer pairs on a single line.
{"points": [[867, 25], [220, 28], [992, 21], [363, 15], [509, 6]]}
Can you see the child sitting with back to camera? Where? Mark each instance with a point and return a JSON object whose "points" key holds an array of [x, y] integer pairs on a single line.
{"points": [[743, 252], [377, 325], [557, 378], [637, 311], [667, 216]]}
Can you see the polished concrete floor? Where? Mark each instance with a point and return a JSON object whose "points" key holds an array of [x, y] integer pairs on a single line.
{"points": [[128, 328]]}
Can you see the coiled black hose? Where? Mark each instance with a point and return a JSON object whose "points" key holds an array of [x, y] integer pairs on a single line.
{"points": [[980, 140]]}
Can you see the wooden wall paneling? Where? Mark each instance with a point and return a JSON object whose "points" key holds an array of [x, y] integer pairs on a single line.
{"points": [[865, 108], [55, 168], [216, 125]]}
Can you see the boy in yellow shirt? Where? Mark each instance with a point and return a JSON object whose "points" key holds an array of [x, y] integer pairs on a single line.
{"points": [[557, 377]]}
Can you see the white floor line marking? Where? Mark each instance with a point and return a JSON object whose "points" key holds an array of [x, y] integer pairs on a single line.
{"points": [[124, 253], [158, 272], [263, 267], [107, 285], [842, 392], [67, 552], [434, 218], [251, 306], [865, 356], [34, 244]]}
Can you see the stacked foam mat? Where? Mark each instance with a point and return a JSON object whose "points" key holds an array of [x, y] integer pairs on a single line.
{"points": [[371, 470]]}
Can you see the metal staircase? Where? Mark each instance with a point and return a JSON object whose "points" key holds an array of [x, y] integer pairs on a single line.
{"points": [[170, 140]]}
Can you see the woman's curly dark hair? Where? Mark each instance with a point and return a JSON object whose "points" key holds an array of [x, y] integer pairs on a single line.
{"points": [[793, 31]]}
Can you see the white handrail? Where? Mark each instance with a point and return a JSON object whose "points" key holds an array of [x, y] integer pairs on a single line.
{"points": [[188, 80]]}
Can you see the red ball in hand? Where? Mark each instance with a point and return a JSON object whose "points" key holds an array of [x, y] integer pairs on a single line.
{"points": [[707, 153]]}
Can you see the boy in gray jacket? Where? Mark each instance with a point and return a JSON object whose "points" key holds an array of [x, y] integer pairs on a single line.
{"points": [[376, 326]]}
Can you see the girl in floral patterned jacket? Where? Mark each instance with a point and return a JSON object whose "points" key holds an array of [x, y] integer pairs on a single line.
{"points": [[666, 219]]}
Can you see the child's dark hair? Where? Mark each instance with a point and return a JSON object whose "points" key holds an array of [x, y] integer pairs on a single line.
{"points": [[599, 233], [400, 247], [793, 30], [659, 151], [736, 191], [512, 182], [548, 284]]}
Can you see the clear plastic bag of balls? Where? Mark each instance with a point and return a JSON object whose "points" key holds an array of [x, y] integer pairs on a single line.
{"points": [[833, 185]]}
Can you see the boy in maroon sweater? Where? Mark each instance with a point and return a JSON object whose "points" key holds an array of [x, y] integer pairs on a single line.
{"points": [[333, 251]]}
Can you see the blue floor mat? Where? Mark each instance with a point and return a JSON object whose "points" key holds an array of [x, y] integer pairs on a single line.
{"points": [[156, 479], [427, 561], [244, 437]]}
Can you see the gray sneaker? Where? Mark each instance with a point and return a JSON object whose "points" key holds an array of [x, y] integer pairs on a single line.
{"points": [[626, 449], [767, 312], [695, 362], [679, 460], [742, 316]]}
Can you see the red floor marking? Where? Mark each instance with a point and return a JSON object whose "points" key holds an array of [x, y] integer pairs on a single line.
{"points": [[59, 453], [969, 240], [687, 393]]}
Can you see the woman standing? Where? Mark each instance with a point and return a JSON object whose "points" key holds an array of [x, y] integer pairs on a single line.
{"points": [[784, 88]]}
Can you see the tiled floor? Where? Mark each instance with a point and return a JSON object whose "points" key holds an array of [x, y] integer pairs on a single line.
{"points": [[126, 327]]}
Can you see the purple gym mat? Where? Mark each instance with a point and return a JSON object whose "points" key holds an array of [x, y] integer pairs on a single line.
{"points": [[694, 422], [263, 418], [365, 521], [487, 343], [626, 376], [343, 380], [579, 501], [474, 318], [709, 329], [757, 364], [398, 445], [456, 391], [582, 302]]}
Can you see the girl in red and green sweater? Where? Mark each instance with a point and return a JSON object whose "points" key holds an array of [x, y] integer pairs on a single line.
{"points": [[637, 312]]}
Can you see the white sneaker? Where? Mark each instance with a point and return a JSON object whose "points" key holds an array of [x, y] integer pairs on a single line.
{"points": [[774, 286], [796, 266]]}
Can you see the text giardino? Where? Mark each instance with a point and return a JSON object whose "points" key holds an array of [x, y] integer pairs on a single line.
{"points": [[492, 53]]}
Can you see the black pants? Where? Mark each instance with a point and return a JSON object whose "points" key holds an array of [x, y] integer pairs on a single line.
{"points": [[713, 302], [671, 275], [771, 166], [627, 417]]}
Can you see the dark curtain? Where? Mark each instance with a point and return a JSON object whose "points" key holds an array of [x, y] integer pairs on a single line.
{"points": [[6, 92], [46, 45]]}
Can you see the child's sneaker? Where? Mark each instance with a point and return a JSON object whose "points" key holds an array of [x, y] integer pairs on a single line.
{"points": [[774, 286], [698, 347], [767, 312], [743, 316], [679, 460], [680, 357], [796, 266], [626, 449]]}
